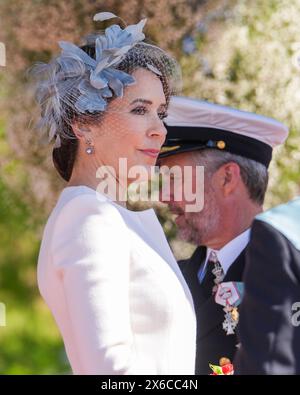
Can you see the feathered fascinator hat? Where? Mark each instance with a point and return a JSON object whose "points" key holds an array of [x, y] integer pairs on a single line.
{"points": [[82, 80]]}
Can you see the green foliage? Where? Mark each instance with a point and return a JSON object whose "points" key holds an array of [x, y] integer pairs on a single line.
{"points": [[29, 342], [252, 57]]}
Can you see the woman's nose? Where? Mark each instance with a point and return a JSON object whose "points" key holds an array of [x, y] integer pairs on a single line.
{"points": [[158, 129]]}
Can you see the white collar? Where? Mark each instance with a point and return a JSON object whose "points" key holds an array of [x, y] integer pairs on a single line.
{"points": [[228, 254]]}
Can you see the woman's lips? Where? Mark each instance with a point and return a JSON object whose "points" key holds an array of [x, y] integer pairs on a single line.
{"points": [[150, 152]]}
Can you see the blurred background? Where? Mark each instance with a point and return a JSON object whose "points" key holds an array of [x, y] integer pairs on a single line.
{"points": [[241, 53]]}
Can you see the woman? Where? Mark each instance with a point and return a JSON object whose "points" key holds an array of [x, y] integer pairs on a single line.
{"points": [[107, 273]]}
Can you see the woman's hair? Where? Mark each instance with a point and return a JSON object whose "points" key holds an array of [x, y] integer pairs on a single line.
{"points": [[142, 55]]}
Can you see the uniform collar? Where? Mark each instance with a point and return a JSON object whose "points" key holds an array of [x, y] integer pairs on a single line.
{"points": [[228, 254]]}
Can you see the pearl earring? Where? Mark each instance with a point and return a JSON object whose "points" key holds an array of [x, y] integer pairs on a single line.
{"points": [[90, 149]]}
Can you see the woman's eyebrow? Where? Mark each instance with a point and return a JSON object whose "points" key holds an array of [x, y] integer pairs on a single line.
{"points": [[142, 101], [145, 101]]}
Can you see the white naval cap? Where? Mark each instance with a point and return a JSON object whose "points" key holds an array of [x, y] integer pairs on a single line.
{"points": [[2, 54], [194, 124]]}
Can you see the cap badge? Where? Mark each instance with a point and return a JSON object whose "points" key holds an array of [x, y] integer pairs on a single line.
{"points": [[221, 144], [168, 149]]}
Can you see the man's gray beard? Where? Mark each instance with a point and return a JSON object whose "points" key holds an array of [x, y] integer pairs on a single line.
{"points": [[203, 225]]}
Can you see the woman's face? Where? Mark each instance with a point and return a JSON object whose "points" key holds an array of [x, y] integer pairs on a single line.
{"points": [[132, 127]]}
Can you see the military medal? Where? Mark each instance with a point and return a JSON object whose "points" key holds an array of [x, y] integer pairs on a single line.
{"points": [[217, 271], [230, 295], [219, 276]]}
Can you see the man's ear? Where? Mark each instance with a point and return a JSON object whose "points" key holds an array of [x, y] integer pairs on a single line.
{"points": [[229, 177]]}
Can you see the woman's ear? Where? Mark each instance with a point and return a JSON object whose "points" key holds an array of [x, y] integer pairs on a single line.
{"points": [[80, 130], [84, 135]]}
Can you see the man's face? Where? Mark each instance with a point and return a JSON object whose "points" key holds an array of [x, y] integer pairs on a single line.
{"points": [[196, 227]]}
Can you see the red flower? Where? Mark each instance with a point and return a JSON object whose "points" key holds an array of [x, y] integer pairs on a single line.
{"points": [[227, 369]]}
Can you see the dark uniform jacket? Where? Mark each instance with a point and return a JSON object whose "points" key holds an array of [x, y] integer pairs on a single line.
{"points": [[269, 327], [212, 341]]}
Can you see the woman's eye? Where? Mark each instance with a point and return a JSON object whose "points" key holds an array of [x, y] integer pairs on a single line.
{"points": [[143, 111], [162, 115], [139, 110]]}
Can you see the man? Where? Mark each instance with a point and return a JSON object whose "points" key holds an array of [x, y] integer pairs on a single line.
{"points": [[235, 148], [269, 328]]}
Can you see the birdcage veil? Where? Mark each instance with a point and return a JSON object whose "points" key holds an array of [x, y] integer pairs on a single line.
{"points": [[81, 82]]}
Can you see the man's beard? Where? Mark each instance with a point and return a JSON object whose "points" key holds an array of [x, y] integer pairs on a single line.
{"points": [[198, 228]]}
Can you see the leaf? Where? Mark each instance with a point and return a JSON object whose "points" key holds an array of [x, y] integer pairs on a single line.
{"points": [[104, 16], [216, 369]]}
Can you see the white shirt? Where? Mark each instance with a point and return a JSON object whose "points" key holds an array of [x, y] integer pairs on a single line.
{"points": [[227, 254], [114, 288]]}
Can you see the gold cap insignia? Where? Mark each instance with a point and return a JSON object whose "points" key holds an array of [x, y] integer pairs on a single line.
{"points": [[221, 144], [168, 149]]}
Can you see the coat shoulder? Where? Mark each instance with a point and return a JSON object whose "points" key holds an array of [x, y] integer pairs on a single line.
{"points": [[198, 255], [285, 219]]}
